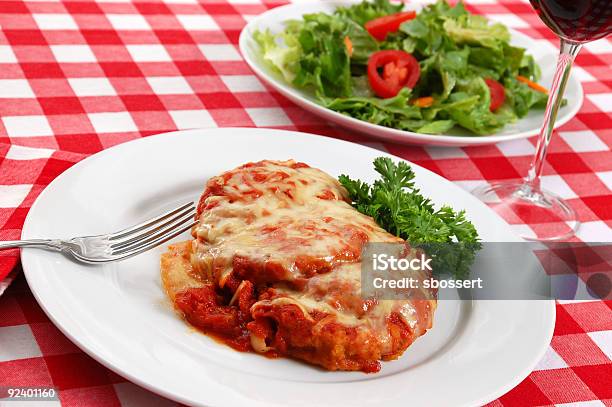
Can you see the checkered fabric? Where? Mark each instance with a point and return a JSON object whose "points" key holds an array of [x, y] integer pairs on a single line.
{"points": [[77, 77]]}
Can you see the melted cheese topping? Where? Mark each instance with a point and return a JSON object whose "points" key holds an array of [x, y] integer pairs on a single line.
{"points": [[271, 213], [284, 224], [338, 293]]}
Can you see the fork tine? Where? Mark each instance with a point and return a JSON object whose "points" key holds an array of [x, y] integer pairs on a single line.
{"points": [[148, 223], [134, 244], [153, 228], [161, 239]]}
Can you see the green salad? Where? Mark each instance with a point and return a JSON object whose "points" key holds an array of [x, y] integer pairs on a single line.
{"points": [[425, 72]]}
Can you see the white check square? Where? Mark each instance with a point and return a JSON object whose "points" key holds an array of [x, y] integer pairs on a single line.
{"points": [[92, 87], [197, 22], [582, 74], [128, 22], [192, 119], [7, 56], [445, 152], [242, 83], [27, 126], [516, 148], [73, 53], [17, 152], [509, 20], [117, 122], [169, 85], [11, 196], [583, 141], [595, 231], [268, 116], [603, 46], [220, 52], [551, 360], [15, 88], [606, 178], [602, 100], [55, 22], [590, 403], [18, 343], [557, 183], [148, 53], [603, 339]]}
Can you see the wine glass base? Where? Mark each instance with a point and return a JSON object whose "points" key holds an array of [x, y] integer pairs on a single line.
{"points": [[555, 219]]}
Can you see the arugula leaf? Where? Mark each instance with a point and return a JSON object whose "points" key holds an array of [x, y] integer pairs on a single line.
{"points": [[398, 206]]}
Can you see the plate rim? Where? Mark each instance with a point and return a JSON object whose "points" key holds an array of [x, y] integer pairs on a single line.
{"points": [[30, 255], [375, 130]]}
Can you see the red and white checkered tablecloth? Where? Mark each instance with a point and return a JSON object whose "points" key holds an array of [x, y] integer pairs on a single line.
{"points": [[80, 76]]}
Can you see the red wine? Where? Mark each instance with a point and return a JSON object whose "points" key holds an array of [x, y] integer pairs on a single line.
{"points": [[576, 20]]}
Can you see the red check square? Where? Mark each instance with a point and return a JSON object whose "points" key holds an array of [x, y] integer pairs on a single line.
{"points": [[76, 370], [578, 350], [25, 37], [562, 385], [90, 396], [25, 372], [597, 378], [591, 316]]}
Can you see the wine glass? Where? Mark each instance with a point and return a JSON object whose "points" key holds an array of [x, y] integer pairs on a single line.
{"points": [[575, 22]]}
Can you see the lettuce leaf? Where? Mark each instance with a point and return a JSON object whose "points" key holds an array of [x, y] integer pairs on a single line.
{"points": [[522, 98], [476, 30], [365, 11], [386, 112], [281, 58], [312, 53]]}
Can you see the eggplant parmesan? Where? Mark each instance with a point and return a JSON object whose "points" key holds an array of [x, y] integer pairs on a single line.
{"points": [[275, 267]]}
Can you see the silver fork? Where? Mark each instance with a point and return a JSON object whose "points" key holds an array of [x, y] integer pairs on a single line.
{"points": [[119, 245]]}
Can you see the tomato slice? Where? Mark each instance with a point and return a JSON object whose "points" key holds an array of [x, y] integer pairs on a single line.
{"points": [[399, 70], [498, 94], [380, 27]]}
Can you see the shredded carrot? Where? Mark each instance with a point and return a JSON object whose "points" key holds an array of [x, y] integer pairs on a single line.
{"points": [[425, 101], [349, 46], [532, 84]]}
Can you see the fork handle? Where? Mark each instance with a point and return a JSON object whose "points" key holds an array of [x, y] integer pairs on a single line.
{"points": [[43, 243]]}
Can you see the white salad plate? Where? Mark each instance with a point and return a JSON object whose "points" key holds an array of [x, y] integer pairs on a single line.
{"points": [[544, 53], [118, 313]]}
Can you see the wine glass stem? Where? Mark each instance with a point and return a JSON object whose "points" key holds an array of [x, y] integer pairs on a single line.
{"points": [[568, 51]]}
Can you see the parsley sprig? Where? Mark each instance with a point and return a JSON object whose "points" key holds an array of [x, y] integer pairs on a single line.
{"points": [[398, 206]]}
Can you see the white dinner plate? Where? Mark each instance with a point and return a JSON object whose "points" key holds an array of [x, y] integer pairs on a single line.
{"points": [[544, 53], [118, 314]]}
